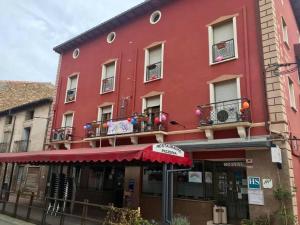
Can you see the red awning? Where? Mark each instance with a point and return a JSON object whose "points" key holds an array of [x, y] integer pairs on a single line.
{"points": [[162, 153]]}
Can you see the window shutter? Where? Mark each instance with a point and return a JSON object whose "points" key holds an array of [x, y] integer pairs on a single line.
{"points": [[73, 82], [68, 120], [155, 55], [153, 101], [110, 70], [105, 110], [223, 32]]}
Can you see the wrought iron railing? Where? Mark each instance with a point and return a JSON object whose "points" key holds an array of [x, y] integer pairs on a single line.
{"points": [[21, 146], [108, 84], [153, 71], [62, 134], [223, 50], [138, 123], [237, 110], [71, 93], [4, 147]]}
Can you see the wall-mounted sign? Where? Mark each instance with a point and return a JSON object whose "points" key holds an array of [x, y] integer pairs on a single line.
{"points": [[256, 197], [119, 127], [267, 183], [195, 177], [234, 164], [168, 149], [276, 154], [254, 183]]}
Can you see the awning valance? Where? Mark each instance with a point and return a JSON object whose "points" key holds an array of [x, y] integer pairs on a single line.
{"points": [[161, 153]]}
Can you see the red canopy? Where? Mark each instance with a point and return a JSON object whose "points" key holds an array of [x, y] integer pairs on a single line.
{"points": [[162, 153]]}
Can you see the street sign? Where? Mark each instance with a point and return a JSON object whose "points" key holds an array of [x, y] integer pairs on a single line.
{"points": [[254, 183]]}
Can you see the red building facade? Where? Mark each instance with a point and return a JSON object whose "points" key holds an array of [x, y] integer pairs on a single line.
{"points": [[201, 75]]}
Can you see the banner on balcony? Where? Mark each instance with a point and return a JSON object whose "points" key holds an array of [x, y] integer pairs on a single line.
{"points": [[119, 127]]}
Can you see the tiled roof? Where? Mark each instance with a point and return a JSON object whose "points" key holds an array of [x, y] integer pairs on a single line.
{"points": [[17, 93]]}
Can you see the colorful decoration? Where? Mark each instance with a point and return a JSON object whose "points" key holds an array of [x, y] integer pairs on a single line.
{"points": [[157, 120], [246, 105], [163, 117], [129, 119], [104, 125], [198, 112], [133, 121], [219, 58]]}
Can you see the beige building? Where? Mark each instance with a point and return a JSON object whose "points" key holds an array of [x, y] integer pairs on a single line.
{"points": [[24, 117]]}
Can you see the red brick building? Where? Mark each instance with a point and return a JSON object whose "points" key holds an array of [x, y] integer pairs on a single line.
{"points": [[215, 78]]}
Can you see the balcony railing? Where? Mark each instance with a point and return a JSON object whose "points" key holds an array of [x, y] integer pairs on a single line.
{"points": [[21, 145], [138, 123], [223, 50], [4, 147], [232, 111], [153, 71], [62, 134], [71, 93], [108, 84]]}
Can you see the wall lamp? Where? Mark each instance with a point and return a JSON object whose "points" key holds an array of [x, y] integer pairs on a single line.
{"points": [[173, 122]]}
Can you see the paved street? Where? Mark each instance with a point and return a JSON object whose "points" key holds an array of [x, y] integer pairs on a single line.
{"points": [[7, 220]]}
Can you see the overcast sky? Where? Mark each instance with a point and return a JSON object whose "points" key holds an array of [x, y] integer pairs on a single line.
{"points": [[31, 28]]}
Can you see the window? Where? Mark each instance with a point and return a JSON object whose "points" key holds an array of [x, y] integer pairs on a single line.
{"points": [[111, 37], [76, 53], [8, 120], [152, 110], [154, 63], [155, 17], [292, 94], [108, 77], [29, 115], [223, 41], [152, 180], [71, 88], [285, 32], [105, 113], [67, 120]]}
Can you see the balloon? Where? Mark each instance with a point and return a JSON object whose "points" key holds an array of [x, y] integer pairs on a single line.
{"points": [[84, 127], [133, 121], [128, 119], [104, 125], [156, 120], [198, 112], [242, 110], [163, 117], [246, 105], [219, 58]]}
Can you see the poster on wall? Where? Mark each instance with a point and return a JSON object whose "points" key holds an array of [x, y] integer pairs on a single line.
{"points": [[256, 197], [208, 177], [267, 183], [195, 177]]}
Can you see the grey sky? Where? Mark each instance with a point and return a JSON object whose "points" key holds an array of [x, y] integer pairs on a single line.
{"points": [[31, 28]]}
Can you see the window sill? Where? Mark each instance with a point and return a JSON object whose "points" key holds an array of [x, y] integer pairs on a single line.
{"points": [[149, 81], [223, 61], [67, 102], [106, 92]]}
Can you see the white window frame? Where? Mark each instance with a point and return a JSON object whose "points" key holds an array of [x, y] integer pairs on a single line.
{"points": [[68, 84], [104, 65], [212, 89], [146, 61], [63, 121], [211, 41], [144, 103], [100, 109], [285, 33], [292, 96]]}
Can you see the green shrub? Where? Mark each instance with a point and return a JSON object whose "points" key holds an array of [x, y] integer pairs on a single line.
{"points": [[180, 220]]}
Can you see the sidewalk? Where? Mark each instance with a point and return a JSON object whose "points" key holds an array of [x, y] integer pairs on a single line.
{"points": [[7, 220]]}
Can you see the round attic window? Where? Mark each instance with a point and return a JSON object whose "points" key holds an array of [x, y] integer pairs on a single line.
{"points": [[111, 37], [155, 17], [76, 53]]}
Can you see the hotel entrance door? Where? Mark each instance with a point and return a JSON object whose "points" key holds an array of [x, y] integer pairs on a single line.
{"points": [[231, 190]]}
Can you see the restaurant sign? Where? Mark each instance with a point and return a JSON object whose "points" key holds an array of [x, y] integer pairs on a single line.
{"points": [[168, 149]]}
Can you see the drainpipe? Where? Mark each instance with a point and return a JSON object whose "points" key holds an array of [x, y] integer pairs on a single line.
{"points": [[262, 66]]}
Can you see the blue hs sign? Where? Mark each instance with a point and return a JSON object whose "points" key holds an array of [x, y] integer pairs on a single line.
{"points": [[254, 183]]}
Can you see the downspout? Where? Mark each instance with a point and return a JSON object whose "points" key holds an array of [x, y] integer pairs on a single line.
{"points": [[47, 126], [262, 66]]}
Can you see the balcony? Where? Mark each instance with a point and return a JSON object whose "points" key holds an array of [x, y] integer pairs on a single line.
{"points": [[4, 147], [62, 135], [21, 145], [225, 115], [71, 94], [108, 84], [153, 71], [133, 127], [223, 50]]}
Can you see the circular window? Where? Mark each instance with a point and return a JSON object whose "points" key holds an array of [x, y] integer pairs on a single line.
{"points": [[76, 53], [111, 37], [155, 17]]}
